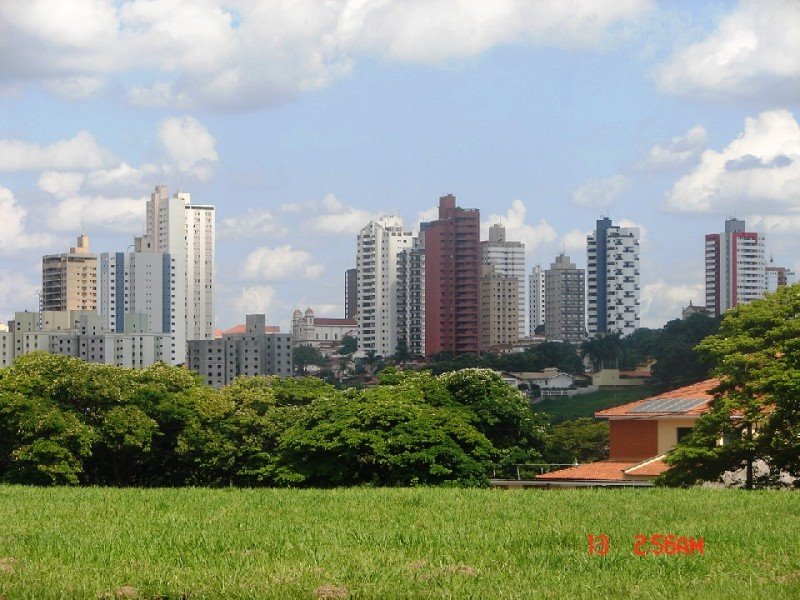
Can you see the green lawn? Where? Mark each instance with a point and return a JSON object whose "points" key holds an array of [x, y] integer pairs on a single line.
{"points": [[585, 405], [392, 543]]}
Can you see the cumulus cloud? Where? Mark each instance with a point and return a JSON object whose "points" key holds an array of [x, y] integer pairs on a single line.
{"points": [[282, 262], [759, 171], [600, 194], [91, 212], [14, 236], [517, 230], [17, 293], [332, 215], [79, 152], [662, 302], [575, 240], [752, 54], [255, 299], [189, 145], [678, 151], [75, 88], [253, 223], [242, 53]]}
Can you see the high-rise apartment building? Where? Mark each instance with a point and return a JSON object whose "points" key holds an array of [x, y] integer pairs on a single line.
{"points": [[735, 267], [565, 299], [186, 232], [378, 245], [613, 279], [536, 304], [411, 296], [778, 277], [350, 293], [69, 280], [507, 258], [452, 280], [144, 287], [499, 309]]}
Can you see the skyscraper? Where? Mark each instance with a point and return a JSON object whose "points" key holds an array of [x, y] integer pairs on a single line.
{"points": [[69, 280], [350, 293], [536, 305], [565, 299], [452, 279], [778, 276], [378, 245], [735, 267], [186, 232], [613, 279], [507, 258], [499, 309], [411, 295]]}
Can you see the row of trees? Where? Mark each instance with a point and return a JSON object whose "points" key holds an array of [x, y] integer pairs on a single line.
{"points": [[64, 421]]}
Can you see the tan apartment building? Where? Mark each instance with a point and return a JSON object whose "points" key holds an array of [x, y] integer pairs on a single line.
{"points": [[499, 309], [69, 280]]}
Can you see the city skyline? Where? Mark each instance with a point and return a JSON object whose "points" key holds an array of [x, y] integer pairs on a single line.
{"points": [[668, 116]]}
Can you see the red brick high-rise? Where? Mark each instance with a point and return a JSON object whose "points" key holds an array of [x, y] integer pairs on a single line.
{"points": [[452, 279]]}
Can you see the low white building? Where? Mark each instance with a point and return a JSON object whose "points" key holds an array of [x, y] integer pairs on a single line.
{"points": [[550, 381], [324, 334]]}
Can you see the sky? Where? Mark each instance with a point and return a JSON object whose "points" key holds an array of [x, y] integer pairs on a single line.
{"points": [[302, 120]]}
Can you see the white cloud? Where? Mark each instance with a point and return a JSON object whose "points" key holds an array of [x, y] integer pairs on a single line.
{"points": [[13, 234], [255, 299], [189, 145], [75, 88], [17, 293], [753, 53], [678, 151], [758, 171], [662, 302], [600, 194], [283, 262], [244, 53], [80, 152], [332, 215], [575, 240], [74, 213], [61, 183], [252, 224], [123, 178], [517, 230]]}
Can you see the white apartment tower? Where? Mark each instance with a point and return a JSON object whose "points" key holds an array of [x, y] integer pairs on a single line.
{"points": [[507, 258], [735, 267], [186, 232], [536, 298], [378, 245], [612, 279], [411, 296]]}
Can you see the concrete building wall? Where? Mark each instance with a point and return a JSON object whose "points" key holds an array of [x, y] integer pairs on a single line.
{"points": [[499, 309], [69, 280], [536, 299], [565, 301], [411, 296], [507, 258]]}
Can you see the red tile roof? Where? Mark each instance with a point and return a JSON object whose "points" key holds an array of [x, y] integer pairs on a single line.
{"points": [[697, 391], [241, 328], [649, 468], [604, 470], [335, 322]]}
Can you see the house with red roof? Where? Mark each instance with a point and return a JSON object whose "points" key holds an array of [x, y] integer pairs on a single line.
{"points": [[641, 433]]}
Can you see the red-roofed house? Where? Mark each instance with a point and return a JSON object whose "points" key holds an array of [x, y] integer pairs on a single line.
{"points": [[641, 433]]}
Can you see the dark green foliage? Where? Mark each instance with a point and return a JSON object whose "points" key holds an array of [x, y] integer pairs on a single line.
{"points": [[303, 356], [756, 410], [349, 345], [563, 356], [64, 421], [581, 440]]}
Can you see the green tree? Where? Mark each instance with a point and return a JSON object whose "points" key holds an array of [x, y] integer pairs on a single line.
{"points": [[349, 345], [303, 356], [755, 414], [578, 440]]}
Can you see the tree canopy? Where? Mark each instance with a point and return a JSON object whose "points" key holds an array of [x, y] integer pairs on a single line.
{"points": [[755, 415]]}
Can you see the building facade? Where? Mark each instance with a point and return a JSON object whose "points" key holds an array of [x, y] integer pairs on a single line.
{"points": [[69, 280], [499, 309], [377, 248], [411, 296], [220, 361], [507, 258], [565, 300], [536, 301], [612, 279], [452, 280], [324, 334], [778, 277], [350, 293], [735, 267], [83, 335]]}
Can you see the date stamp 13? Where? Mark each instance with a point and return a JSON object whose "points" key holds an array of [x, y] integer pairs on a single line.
{"points": [[655, 544]]}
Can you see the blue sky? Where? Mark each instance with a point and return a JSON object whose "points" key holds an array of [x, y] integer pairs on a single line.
{"points": [[302, 120]]}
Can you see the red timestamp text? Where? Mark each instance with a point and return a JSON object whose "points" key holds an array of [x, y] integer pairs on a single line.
{"points": [[656, 544]]}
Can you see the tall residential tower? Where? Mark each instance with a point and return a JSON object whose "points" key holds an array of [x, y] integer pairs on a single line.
{"points": [[507, 258]]}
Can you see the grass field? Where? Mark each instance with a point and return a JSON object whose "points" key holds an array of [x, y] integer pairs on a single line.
{"points": [[392, 543], [585, 405]]}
